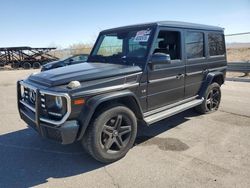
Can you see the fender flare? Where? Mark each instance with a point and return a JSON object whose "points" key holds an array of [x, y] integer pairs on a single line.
{"points": [[209, 79], [92, 104]]}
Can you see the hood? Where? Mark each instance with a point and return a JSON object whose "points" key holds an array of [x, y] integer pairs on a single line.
{"points": [[81, 72]]}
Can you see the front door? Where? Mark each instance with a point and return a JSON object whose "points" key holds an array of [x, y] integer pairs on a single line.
{"points": [[166, 81]]}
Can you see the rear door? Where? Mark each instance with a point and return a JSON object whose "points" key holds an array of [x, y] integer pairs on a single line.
{"points": [[195, 61], [166, 81]]}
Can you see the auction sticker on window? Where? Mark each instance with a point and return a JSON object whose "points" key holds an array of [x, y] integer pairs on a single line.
{"points": [[142, 36]]}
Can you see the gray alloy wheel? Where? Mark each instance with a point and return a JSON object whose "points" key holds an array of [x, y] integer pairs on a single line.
{"points": [[111, 134], [116, 134], [212, 99]]}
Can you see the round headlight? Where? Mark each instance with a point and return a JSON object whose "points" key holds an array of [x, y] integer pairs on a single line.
{"points": [[59, 102]]}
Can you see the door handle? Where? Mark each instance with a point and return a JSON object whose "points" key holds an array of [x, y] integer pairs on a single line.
{"points": [[179, 76]]}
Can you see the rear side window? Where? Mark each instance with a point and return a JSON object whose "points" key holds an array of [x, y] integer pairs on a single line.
{"points": [[216, 44], [194, 44]]}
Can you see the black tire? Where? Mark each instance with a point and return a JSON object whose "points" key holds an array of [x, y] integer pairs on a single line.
{"points": [[26, 65], [36, 65], [15, 65], [211, 101], [111, 134]]}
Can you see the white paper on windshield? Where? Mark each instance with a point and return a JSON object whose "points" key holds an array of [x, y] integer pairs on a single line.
{"points": [[142, 36]]}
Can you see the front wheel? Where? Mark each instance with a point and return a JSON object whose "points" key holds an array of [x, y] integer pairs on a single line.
{"points": [[211, 99], [111, 134], [15, 65]]}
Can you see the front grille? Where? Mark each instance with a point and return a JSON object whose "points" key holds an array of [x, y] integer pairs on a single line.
{"points": [[30, 96], [27, 101], [43, 102]]}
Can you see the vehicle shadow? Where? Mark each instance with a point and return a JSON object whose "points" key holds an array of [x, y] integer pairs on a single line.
{"points": [[28, 160], [147, 132]]}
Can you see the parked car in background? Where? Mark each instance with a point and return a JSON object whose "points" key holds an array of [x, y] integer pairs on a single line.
{"points": [[72, 60]]}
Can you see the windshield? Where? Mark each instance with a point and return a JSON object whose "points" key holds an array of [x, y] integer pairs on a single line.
{"points": [[122, 47]]}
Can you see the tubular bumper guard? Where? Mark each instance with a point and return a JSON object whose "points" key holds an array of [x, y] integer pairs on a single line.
{"points": [[62, 130]]}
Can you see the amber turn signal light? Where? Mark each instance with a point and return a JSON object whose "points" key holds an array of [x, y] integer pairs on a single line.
{"points": [[79, 101]]}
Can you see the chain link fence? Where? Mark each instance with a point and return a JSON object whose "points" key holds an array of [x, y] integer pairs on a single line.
{"points": [[238, 56], [238, 47]]}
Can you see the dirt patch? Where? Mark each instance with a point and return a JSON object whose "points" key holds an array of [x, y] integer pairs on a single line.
{"points": [[165, 144], [238, 54], [236, 75]]}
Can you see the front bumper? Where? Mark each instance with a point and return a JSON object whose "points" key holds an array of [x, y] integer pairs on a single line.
{"points": [[62, 131]]}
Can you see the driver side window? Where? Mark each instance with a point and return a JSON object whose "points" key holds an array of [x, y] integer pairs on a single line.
{"points": [[168, 42]]}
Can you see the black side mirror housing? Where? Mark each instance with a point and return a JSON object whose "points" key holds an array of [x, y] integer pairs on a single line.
{"points": [[160, 58]]}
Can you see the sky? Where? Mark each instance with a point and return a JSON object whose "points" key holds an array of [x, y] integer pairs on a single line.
{"points": [[62, 23]]}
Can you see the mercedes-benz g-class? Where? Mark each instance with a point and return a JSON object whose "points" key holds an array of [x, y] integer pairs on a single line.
{"points": [[134, 74]]}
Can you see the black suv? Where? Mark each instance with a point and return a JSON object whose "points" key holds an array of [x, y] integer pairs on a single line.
{"points": [[134, 75]]}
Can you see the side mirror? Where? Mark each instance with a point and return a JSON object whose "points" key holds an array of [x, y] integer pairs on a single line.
{"points": [[160, 58]]}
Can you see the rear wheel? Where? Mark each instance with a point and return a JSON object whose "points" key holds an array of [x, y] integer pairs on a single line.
{"points": [[111, 134], [211, 99], [26, 65], [36, 65]]}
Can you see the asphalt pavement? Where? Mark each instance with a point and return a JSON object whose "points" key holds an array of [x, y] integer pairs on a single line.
{"points": [[186, 150]]}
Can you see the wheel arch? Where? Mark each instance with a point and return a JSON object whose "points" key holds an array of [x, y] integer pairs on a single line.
{"points": [[96, 103], [212, 77], [219, 78]]}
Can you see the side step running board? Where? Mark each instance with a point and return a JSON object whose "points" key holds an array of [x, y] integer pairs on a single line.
{"points": [[172, 111]]}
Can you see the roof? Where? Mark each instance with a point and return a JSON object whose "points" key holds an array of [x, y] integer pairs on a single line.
{"points": [[189, 25], [174, 24]]}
